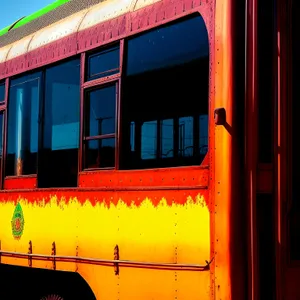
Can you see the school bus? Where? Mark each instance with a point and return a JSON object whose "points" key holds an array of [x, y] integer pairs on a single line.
{"points": [[149, 151]]}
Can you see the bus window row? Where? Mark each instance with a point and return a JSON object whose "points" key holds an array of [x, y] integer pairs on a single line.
{"points": [[145, 105]]}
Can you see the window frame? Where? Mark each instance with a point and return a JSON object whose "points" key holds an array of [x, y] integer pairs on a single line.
{"points": [[42, 71], [196, 129], [4, 133], [105, 48], [95, 84], [114, 135]]}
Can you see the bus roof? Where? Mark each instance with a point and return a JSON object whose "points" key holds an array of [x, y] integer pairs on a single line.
{"points": [[33, 16], [52, 13]]}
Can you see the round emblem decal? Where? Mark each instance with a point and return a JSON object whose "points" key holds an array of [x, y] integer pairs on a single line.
{"points": [[17, 222], [52, 297]]}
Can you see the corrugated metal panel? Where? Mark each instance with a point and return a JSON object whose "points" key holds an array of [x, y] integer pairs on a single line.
{"points": [[19, 48], [142, 3], [3, 53], [57, 31], [105, 11], [108, 10]]}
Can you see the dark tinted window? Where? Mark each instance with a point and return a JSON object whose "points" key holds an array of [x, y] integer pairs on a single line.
{"points": [[100, 153], [2, 92], [100, 127], [149, 140], [23, 116], [103, 63], [58, 160], [165, 96], [266, 40], [100, 107]]}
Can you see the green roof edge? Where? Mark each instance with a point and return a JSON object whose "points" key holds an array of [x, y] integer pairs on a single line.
{"points": [[35, 15]]}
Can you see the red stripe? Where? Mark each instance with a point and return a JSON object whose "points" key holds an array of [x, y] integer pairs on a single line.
{"points": [[108, 198]]}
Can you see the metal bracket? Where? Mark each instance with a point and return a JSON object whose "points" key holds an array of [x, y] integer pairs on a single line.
{"points": [[220, 116], [116, 257], [53, 253], [29, 256]]}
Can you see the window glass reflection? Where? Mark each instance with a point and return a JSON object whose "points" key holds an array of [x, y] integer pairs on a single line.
{"points": [[165, 96], [149, 137], [100, 153], [58, 160], [167, 138], [100, 107], [167, 46], [186, 137], [203, 134], [23, 125]]}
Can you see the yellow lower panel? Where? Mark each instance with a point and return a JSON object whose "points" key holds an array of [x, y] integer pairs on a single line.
{"points": [[176, 233]]}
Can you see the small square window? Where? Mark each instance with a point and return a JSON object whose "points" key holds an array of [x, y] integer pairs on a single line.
{"points": [[103, 63]]}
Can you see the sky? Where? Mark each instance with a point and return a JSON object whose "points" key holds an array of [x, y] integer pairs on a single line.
{"points": [[13, 10]]}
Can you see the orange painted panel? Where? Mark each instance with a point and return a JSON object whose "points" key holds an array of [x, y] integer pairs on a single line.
{"points": [[174, 177], [24, 182]]}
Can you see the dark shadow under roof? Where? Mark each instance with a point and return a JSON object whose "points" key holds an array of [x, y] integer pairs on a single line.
{"points": [[53, 16]]}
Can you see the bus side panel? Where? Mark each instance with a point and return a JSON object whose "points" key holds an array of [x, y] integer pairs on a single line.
{"points": [[165, 227], [160, 226], [47, 219]]}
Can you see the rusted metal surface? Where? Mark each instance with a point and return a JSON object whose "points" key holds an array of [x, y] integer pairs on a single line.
{"points": [[19, 167], [53, 253], [30, 254], [116, 258]]}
